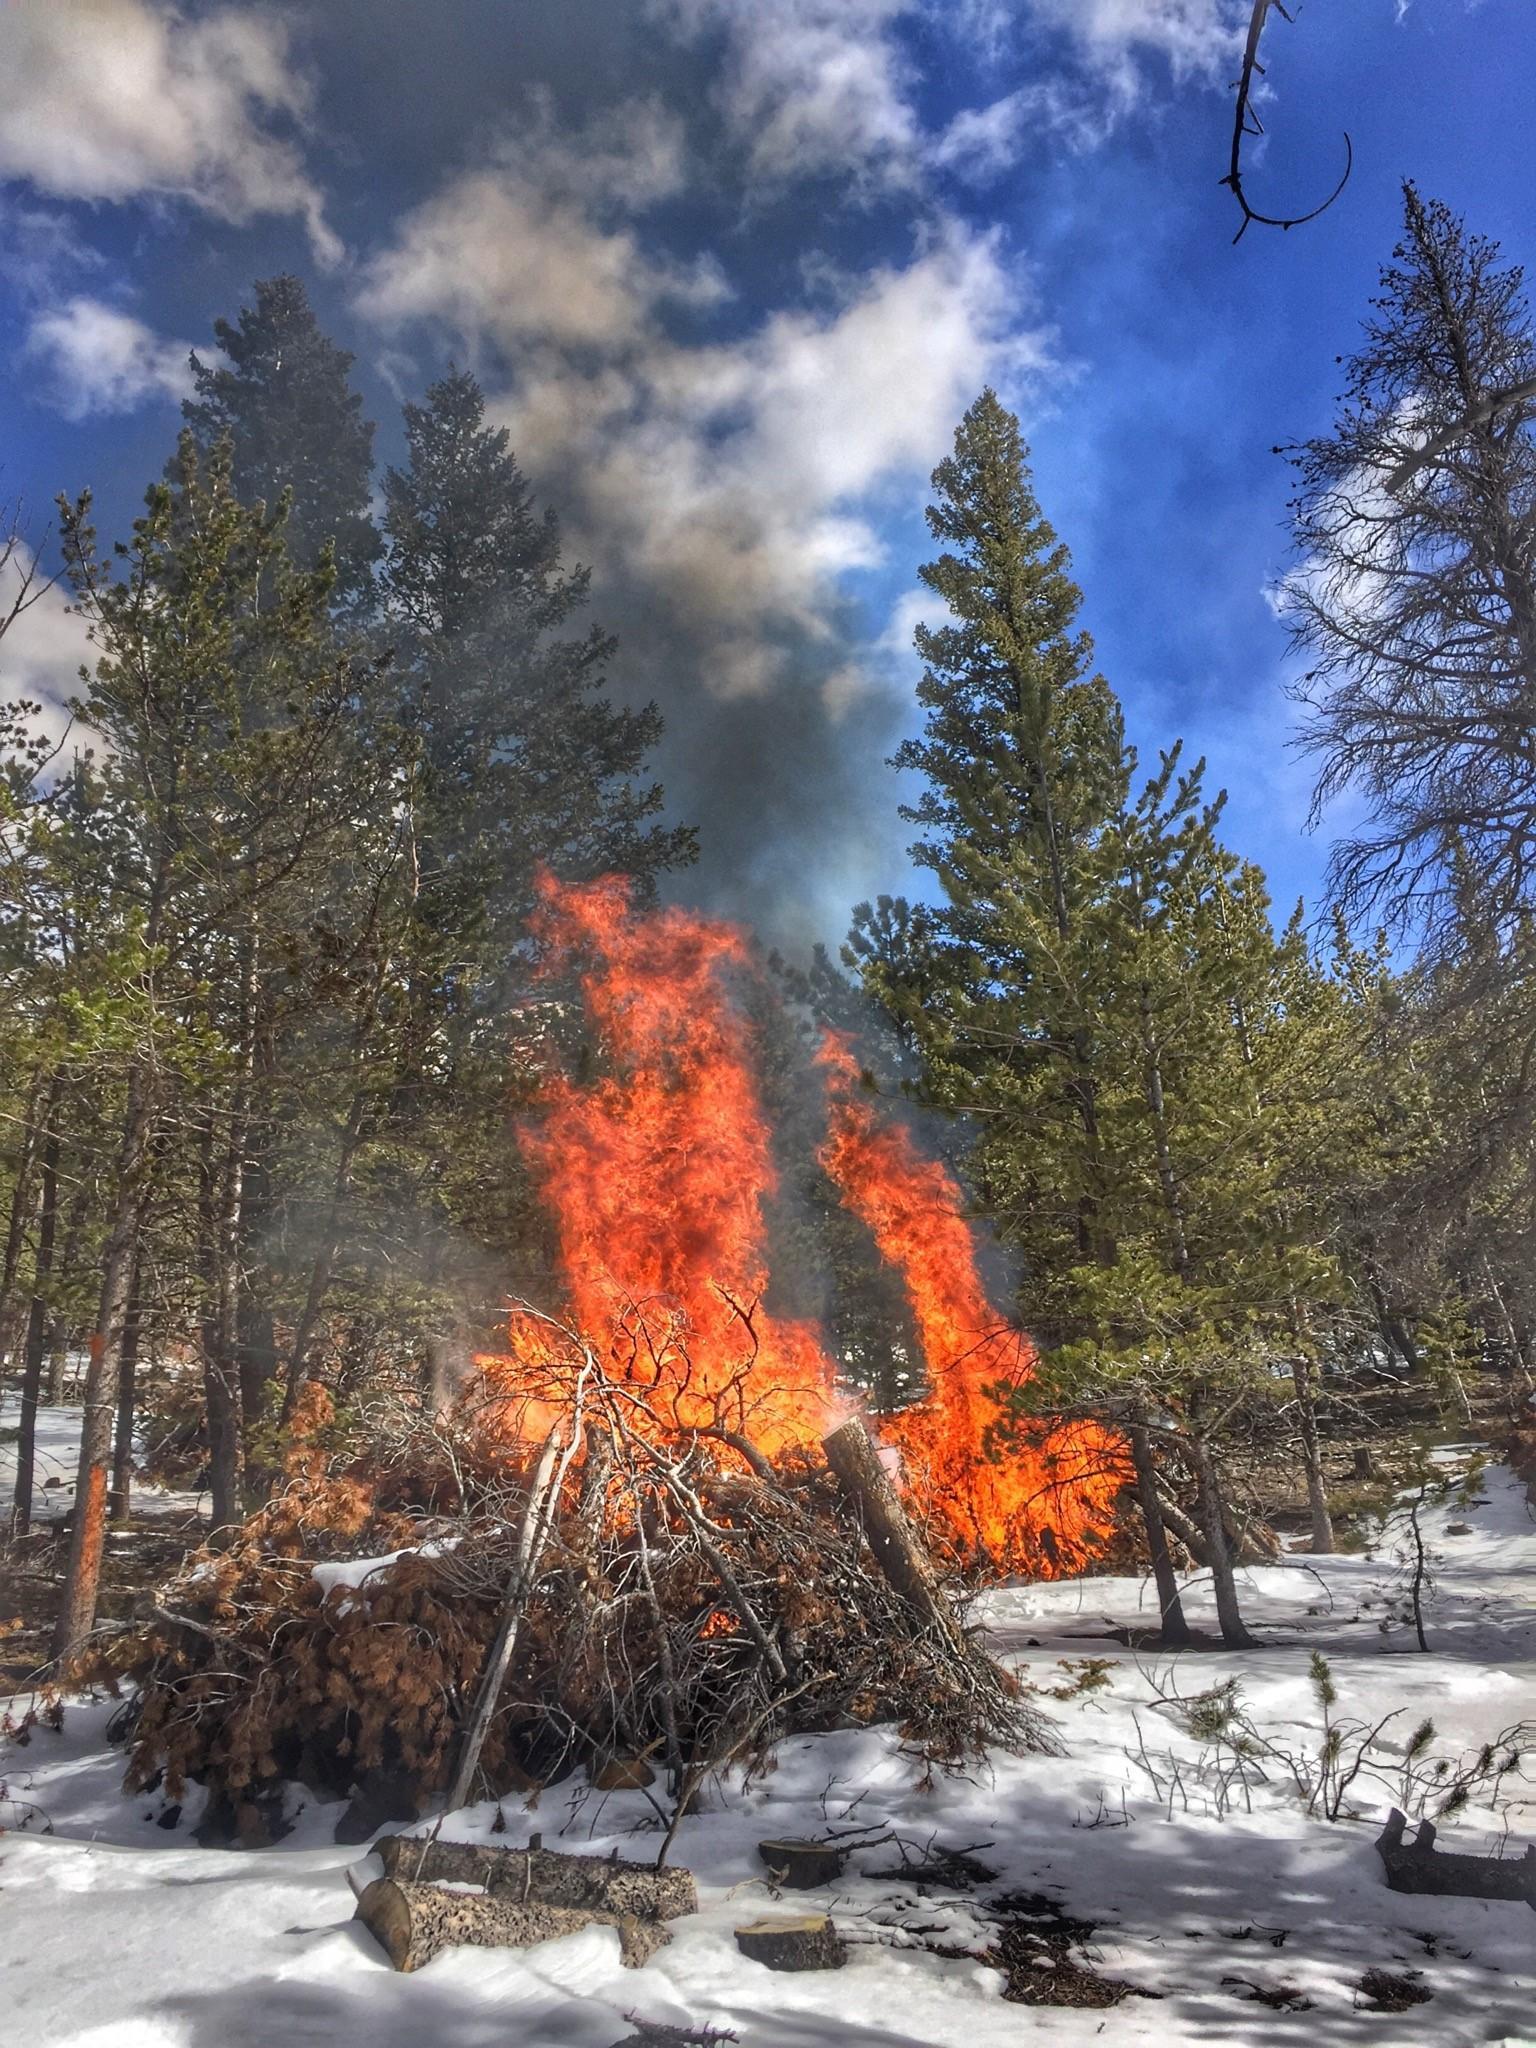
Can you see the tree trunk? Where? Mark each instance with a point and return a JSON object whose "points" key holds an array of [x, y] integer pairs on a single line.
{"points": [[1174, 1627], [1233, 1631], [799, 1941], [1167, 1180], [891, 1537], [257, 1364], [77, 1612], [221, 1328], [412, 1922], [75, 1218], [258, 1359], [351, 1142], [1395, 1332], [37, 1319], [549, 1877], [120, 1493], [1512, 1345], [1311, 1454], [221, 1388], [543, 1498], [20, 1214], [325, 1258]]}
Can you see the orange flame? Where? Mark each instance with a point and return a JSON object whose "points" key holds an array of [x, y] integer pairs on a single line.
{"points": [[1044, 1496], [656, 1174]]}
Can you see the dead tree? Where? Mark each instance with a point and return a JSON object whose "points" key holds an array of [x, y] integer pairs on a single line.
{"points": [[1416, 599]]}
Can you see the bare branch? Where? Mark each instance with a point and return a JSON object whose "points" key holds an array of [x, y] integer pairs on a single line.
{"points": [[1246, 122], [1478, 416]]}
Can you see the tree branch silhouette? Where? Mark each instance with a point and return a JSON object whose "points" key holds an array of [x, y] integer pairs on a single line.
{"points": [[1246, 123]]}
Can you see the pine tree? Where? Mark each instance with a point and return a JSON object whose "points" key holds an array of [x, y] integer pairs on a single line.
{"points": [[225, 712], [1102, 991], [527, 759], [283, 399], [1415, 596], [521, 760], [1024, 765]]}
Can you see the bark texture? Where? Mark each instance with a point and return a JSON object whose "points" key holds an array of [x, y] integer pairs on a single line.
{"points": [[546, 1876], [897, 1550], [412, 1922]]}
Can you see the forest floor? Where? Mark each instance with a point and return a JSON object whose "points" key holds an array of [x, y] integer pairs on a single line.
{"points": [[140, 1553], [1212, 1915]]}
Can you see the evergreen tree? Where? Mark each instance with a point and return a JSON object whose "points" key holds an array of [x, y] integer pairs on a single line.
{"points": [[1101, 990], [1415, 598], [1024, 765], [527, 760], [282, 398], [225, 712], [522, 760]]}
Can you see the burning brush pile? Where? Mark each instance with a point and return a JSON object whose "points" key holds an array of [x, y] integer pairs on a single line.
{"points": [[654, 1536]]}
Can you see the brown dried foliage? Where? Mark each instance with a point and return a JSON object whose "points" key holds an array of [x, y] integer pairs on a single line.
{"points": [[631, 1644]]}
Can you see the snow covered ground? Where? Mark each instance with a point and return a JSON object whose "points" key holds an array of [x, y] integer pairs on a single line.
{"points": [[58, 1452], [58, 1447], [118, 1933]]}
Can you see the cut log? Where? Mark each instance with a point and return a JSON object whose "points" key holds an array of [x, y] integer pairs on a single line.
{"points": [[801, 1866], [412, 1922], [1422, 1866], [894, 1542], [809, 1942], [543, 1877]]}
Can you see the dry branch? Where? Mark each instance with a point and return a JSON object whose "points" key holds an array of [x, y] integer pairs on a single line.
{"points": [[1479, 415], [532, 1537], [897, 1551], [1246, 123], [638, 1594]]}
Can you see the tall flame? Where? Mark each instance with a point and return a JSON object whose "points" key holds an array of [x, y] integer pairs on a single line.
{"points": [[1021, 1494], [656, 1173]]}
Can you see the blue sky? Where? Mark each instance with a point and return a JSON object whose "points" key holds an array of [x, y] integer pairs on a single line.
{"points": [[730, 270]]}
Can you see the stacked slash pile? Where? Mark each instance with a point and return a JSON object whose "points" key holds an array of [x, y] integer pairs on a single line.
{"points": [[649, 1606]]}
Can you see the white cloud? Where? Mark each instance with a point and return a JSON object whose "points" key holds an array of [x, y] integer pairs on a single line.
{"points": [[736, 483], [534, 246], [40, 253], [982, 143], [117, 99], [43, 650], [812, 85], [1195, 38], [100, 359], [740, 482]]}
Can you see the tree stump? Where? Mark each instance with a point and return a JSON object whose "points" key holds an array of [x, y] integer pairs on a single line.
{"points": [[800, 1866], [412, 1922], [808, 1942]]}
